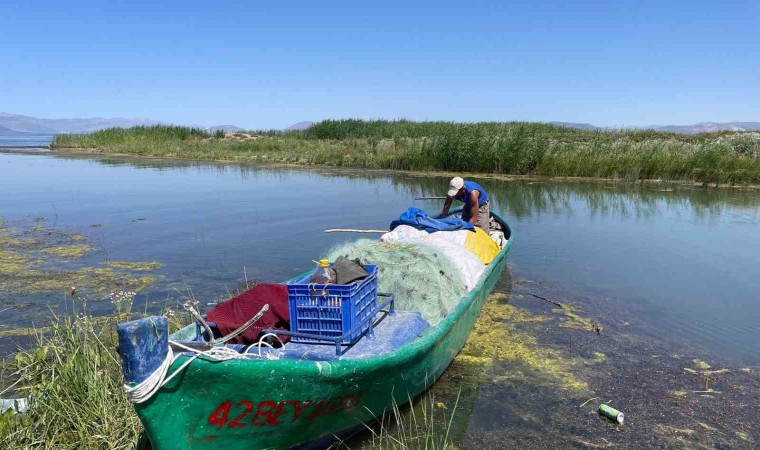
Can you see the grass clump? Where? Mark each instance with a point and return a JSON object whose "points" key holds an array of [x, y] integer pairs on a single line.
{"points": [[73, 383], [424, 423]]}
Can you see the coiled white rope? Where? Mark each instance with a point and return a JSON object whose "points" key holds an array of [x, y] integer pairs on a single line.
{"points": [[145, 389], [261, 342], [148, 387]]}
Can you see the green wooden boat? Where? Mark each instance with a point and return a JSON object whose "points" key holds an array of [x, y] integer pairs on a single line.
{"points": [[283, 403]]}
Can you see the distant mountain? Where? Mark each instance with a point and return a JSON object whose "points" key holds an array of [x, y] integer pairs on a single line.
{"points": [[27, 124], [225, 128], [580, 126], [707, 127], [702, 127], [299, 126], [10, 123], [4, 130]]}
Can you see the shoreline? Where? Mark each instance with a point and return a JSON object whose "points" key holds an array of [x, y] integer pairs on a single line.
{"points": [[73, 151], [24, 149], [530, 150]]}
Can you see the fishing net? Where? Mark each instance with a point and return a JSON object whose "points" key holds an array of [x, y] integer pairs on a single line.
{"points": [[422, 278]]}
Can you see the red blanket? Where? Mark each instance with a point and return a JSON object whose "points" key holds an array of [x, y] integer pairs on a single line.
{"points": [[232, 314]]}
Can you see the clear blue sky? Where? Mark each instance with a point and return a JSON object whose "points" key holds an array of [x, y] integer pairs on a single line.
{"points": [[268, 64]]}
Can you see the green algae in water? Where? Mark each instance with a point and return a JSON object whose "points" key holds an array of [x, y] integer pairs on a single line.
{"points": [[496, 337], [22, 331], [11, 263], [572, 319], [678, 394], [701, 365], [599, 358], [707, 427], [135, 266], [21, 258], [68, 251]]}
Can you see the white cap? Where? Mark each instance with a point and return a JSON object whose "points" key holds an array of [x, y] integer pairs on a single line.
{"points": [[455, 185]]}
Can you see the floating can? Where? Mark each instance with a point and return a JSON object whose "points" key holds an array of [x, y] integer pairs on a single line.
{"points": [[611, 413]]}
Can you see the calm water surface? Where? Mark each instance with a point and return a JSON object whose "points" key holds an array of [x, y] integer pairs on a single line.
{"points": [[688, 261], [25, 140], [683, 264]]}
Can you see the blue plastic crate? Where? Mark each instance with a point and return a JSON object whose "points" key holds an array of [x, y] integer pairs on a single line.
{"points": [[336, 313]]}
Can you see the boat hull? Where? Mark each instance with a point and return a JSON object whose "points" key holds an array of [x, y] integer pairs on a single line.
{"points": [[243, 404]]}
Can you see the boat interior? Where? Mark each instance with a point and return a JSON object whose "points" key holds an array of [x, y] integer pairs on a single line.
{"points": [[390, 330]]}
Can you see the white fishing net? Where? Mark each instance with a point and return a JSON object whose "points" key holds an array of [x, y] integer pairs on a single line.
{"points": [[421, 277], [450, 243]]}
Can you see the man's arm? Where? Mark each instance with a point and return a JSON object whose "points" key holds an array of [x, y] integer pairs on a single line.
{"points": [[446, 206], [474, 196]]}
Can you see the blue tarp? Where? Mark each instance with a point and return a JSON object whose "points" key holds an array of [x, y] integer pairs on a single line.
{"points": [[419, 219]]}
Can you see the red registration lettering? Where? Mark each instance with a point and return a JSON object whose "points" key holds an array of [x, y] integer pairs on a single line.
{"points": [[269, 412], [264, 411], [219, 416], [236, 422]]}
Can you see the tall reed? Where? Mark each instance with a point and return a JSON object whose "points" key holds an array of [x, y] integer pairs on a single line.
{"points": [[515, 148]]}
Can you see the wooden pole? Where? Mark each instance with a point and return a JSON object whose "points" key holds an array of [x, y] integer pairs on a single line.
{"points": [[351, 230], [547, 300], [429, 198]]}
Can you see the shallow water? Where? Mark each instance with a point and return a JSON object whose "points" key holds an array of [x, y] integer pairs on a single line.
{"points": [[25, 139], [669, 268]]}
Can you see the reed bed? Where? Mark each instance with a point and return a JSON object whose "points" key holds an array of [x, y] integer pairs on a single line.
{"points": [[514, 148]]}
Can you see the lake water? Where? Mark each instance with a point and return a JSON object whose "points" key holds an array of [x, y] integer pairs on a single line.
{"points": [[25, 140], [680, 268]]}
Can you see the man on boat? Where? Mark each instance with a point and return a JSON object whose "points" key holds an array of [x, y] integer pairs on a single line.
{"points": [[477, 208]]}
